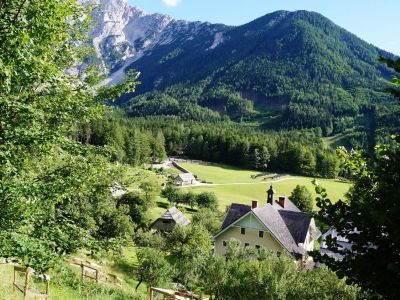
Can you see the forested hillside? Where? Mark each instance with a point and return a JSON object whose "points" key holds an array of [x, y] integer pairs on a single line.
{"points": [[289, 70], [141, 140]]}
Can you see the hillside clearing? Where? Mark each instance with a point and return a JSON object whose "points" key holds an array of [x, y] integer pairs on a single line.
{"points": [[233, 185]]}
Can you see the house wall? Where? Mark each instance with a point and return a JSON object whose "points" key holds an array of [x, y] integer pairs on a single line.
{"points": [[179, 182], [187, 182], [267, 242], [251, 221], [159, 225], [308, 244], [309, 240]]}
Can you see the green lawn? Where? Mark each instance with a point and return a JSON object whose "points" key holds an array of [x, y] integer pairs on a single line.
{"points": [[217, 173], [243, 193], [172, 171]]}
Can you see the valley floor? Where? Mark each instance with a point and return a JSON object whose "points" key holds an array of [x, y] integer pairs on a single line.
{"points": [[234, 185]]}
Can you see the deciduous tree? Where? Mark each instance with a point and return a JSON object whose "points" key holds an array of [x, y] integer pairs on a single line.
{"points": [[368, 218], [302, 198], [52, 193], [153, 268]]}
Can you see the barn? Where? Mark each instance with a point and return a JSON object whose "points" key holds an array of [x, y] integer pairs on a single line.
{"points": [[171, 218], [184, 179]]}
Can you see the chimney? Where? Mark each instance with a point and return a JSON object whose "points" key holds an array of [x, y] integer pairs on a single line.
{"points": [[282, 201], [254, 204], [270, 195]]}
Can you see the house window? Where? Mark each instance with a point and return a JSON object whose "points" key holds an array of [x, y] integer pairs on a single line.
{"points": [[246, 245], [258, 247], [224, 243], [166, 222], [261, 234], [243, 230]]}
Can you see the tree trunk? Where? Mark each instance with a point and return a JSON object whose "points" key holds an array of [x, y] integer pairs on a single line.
{"points": [[139, 283]]}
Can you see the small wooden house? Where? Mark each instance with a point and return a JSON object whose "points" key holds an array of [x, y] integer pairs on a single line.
{"points": [[171, 218], [184, 179]]}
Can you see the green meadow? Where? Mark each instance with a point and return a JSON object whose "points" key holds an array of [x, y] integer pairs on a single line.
{"points": [[233, 185], [219, 173]]}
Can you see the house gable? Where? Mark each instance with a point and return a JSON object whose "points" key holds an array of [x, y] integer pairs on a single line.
{"points": [[272, 221], [253, 223], [250, 221], [251, 238]]}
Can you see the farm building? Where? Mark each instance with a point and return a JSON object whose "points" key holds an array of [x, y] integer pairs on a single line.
{"points": [[278, 226], [171, 218], [184, 179]]}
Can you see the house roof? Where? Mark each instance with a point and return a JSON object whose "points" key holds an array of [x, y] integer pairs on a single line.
{"points": [[289, 206], [175, 214], [273, 220], [297, 223], [186, 177], [235, 212], [288, 225]]}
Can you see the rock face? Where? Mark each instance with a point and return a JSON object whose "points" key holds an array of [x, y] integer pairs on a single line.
{"points": [[124, 33]]}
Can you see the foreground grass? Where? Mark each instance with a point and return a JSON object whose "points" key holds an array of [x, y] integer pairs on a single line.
{"points": [[7, 293], [231, 192], [65, 281]]}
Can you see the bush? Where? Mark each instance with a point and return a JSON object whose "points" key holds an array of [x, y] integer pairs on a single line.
{"points": [[208, 218], [207, 199], [149, 239]]}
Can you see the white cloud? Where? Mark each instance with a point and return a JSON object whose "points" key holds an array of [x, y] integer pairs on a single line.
{"points": [[172, 3]]}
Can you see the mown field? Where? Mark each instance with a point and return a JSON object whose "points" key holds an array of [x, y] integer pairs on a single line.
{"points": [[219, 173], [233, 185]]}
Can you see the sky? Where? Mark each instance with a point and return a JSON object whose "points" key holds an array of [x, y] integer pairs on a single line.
{"points": [[375, 21]]}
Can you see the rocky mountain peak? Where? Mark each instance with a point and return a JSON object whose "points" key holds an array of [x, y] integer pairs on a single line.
{"points": [[125, 33]]}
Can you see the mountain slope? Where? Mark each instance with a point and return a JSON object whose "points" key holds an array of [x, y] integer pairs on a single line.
{"points": [[286, 69], [283, 70], [320, 49], [124, 34]]}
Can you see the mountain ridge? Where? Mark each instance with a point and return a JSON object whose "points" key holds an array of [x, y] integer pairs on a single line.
{"points": [[284, 70], [125, 33]]}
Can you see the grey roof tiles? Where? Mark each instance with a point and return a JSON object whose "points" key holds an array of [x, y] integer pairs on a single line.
{"points": [[288, 225]]}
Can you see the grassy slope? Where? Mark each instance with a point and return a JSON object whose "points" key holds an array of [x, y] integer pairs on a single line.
{"points": [[122, 266], [7, 293], [336, 141], [230, 193]]}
